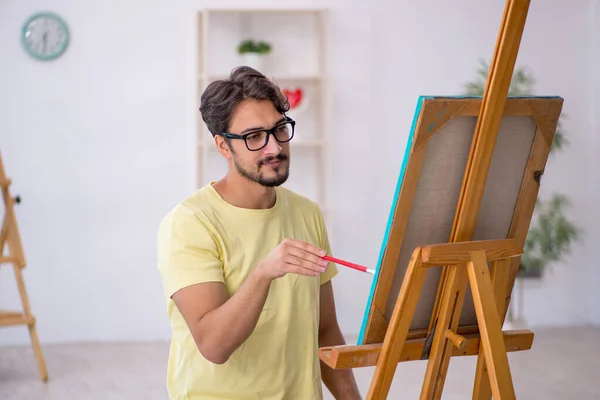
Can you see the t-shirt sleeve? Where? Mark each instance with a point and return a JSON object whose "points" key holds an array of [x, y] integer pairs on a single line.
{"points": [[332, 269], [187, 251]]}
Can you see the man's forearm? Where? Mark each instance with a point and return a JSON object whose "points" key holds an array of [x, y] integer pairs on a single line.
{"points": [[340, 382], [224, 329]]}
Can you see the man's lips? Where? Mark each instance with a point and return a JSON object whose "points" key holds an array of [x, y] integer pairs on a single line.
{"points": [[273, 163]]}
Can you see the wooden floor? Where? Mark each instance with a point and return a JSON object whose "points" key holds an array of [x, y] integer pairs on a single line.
{"points": [[563, 364]]}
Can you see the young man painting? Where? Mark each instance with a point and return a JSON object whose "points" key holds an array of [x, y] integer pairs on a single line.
{"points": [[249, 297]]}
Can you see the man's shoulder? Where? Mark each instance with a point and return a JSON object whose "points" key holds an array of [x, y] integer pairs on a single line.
{"points": [[195, 207], [299, 202], [201, 201]]}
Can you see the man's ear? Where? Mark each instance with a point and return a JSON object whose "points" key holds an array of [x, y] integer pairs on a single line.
{"points": [[223, 147]]}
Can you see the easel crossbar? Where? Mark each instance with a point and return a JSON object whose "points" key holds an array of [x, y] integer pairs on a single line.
{"points": [[459, 252], [348, 356], [11, 318]]}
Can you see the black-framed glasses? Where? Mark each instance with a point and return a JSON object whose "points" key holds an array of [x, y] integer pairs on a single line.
{"points": [[256, 140]]}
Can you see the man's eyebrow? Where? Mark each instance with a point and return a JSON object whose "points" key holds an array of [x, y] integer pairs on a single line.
{"points": [[260, 128]]}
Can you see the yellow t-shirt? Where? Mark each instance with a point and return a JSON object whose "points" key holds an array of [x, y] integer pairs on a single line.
{"points": [[207, 239]]}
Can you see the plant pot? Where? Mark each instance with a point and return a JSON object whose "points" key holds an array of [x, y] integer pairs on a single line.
{"points": [[530, 273], [254, 60]]}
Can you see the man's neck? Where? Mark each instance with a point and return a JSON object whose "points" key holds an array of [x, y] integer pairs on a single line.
{"points": [[240, 192]]}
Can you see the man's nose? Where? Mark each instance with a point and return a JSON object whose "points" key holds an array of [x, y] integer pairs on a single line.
{"points": [[272, 146]]}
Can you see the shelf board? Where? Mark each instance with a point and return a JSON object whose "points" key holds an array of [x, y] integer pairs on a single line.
{"points": [[265, 10], [215, 77]]}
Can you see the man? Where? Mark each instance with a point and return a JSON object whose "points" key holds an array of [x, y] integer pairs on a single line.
{"points": [[249, 297]]}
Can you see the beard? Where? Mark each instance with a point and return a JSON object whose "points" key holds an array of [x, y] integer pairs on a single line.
{"points": [[282, 171]]}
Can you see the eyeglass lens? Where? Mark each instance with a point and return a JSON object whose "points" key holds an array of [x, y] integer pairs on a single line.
{"points": [[257, 140]]}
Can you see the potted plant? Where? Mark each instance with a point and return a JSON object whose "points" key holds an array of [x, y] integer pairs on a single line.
{"points": [[253, 53], [551, 234]]}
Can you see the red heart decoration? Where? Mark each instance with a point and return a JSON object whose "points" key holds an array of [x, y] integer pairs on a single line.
{"points": [[294, 97]]}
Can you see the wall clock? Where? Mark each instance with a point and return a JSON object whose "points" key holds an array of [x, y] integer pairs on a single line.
{"points": [[45, 36]]}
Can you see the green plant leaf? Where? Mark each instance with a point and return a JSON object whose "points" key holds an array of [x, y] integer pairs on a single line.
{"points": [[252, 46], [552, 235], [263, 47], [245, 46]]}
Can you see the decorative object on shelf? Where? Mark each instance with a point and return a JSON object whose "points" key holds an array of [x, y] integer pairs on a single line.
{"points": [[253, 53], [295, 96], [45, 36]]}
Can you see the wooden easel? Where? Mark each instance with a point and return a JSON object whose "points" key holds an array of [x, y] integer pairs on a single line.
{"points": [[492, 363], [11, 237], [464, 261]]}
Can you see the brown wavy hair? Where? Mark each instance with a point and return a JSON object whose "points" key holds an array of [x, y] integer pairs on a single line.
{"points": [[221, 97]]}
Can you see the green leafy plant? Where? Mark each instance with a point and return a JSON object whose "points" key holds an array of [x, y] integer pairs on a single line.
{"points": [[550, 238], [253, 46], [551, 234]]}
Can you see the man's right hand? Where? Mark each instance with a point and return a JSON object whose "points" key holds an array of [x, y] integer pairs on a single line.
{"points": [[292, 256]]}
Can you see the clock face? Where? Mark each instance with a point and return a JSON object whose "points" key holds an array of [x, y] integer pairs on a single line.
{"points": [[45, 36]]}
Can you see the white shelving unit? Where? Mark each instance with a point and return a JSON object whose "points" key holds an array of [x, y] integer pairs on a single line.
{"points": [[299, 58]]}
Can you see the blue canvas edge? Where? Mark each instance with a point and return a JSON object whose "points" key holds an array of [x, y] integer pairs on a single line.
{"points": [[391, 216], [420, 101]]}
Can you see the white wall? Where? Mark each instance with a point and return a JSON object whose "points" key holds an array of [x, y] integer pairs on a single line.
{"points": [[125, 88], [565, 296], [594, 281]]}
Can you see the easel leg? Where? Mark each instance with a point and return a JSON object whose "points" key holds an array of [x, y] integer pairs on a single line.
{"points": [[482, 389], [500, 272], [35, 343], [490, 328], [398, 328], [9, 234], [448, 318]]}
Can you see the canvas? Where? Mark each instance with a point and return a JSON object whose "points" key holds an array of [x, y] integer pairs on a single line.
{"points": [[429, 186]]}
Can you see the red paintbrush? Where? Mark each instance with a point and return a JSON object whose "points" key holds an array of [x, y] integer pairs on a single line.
{"points": [[349, 264]]}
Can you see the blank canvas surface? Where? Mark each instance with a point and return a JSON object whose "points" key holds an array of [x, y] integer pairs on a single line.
{"points": [[434, 205]]}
